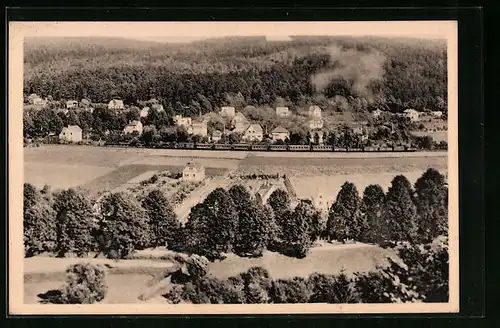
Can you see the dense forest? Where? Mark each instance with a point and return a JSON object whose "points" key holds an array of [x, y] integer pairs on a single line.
{"points": [[392, 74]]}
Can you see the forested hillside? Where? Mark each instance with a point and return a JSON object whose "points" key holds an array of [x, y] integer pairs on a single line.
{"points": [[369, 72]]}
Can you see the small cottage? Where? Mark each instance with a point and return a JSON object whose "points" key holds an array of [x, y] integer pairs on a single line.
{"points": [[437, 114], [116, 104], [227, 112], [193, 172], [71, 133], [411, 114], [85, 103], [182, 121], [280, 133], [282, 111], [254, 133], [133, 126], [71, 104], [144, 112], [157, 107]]}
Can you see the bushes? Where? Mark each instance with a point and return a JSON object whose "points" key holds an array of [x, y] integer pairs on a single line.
{"points": [[295, 290], [85, 284]]}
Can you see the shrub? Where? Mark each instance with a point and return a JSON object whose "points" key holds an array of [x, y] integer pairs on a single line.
{"points": [[197, 266], [295, 290], [332, 289], [85, 284]]}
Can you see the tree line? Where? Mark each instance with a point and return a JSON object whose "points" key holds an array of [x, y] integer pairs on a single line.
{"points": [[71, 222], [413, 75]]}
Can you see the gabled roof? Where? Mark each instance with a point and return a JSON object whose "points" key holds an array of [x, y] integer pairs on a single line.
{"points": [[242, 129], [280, 129], [255, 127], [240, 117], [72, 127], [192, 165]]}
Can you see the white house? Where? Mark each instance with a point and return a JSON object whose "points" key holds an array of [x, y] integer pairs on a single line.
{"points": [[193, 172], [280, 133], [254, 133], [199, 128], [437, 114], [145, 112], [322, 203], [411, 114], [315, 124], [282, 111], [182, 121], [71, 133], [216, 136], [314, 112], [133, 126], [157, 107], [116, 104], [227, 111], [39, 102], [85, 102], [71, 104]]}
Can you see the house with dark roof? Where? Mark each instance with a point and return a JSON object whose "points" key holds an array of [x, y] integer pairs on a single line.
{"points": [[193, 172], [280, 133]]}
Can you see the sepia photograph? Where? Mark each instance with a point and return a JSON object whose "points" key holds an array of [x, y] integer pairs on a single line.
{"points": [[233, 167]]}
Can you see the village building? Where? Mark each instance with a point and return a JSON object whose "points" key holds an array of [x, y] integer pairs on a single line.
{"points": [[182, 121], [282, 111], [157, 107], [216, 136], [89, 109], [437, 114], [411, 114], [193, 172], [116, 104], [39, 102], [314, 112], [32, 97], [133, 126], [71, 133], [227, 111], [253, 133], [144, 112], [240, 123], [377, 113], [280, 133], [264, 192], [199, 128], [315, 124], [71, 104], [85, 103]]}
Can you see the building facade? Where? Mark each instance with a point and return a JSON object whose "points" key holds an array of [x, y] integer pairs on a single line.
{"points": [[227, 111], [253, 133], [71, 104], [116, 104], [193, 172], [411, 114], [200, 129], [314, 112], [280, 133], [282, 111], [71, 133]]}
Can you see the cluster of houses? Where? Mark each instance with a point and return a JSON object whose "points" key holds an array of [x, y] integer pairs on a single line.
{"points": [[250, 132]]}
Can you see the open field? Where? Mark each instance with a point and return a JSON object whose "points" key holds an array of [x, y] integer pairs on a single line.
{"points": [[329, 186], [327, 259], [129, 279]]}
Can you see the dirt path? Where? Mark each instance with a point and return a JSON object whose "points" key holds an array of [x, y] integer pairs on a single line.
{"points": [[198, 195]]}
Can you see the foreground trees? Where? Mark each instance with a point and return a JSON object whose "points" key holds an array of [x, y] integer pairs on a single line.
{"points": [[74, 222], [164, 226], [124, 225]]}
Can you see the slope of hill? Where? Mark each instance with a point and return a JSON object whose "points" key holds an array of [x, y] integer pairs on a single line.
{"points": [[394, 73]]}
